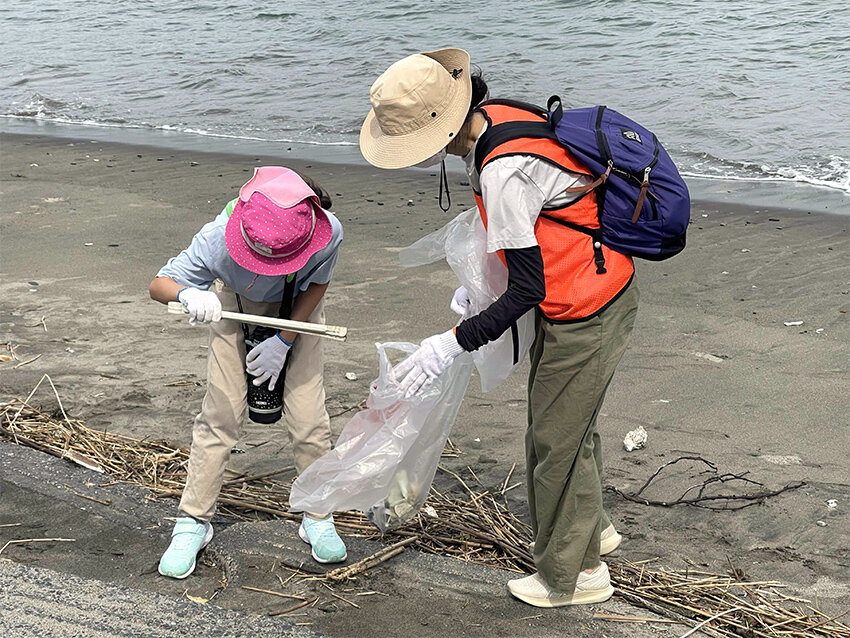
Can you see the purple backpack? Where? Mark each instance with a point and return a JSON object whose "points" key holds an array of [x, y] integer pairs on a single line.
{"points": [[644, 206]]}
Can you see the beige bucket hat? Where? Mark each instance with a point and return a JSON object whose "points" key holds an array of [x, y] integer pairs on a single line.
{"points": [[418, 105]]}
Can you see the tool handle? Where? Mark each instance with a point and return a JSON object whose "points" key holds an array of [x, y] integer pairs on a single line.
{"points": [[336, 333]]}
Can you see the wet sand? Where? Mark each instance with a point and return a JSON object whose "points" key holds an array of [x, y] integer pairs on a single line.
{"points": [[712, 370]]}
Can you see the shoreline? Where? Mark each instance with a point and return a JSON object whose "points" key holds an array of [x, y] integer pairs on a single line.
{"points": [[775, 193]]}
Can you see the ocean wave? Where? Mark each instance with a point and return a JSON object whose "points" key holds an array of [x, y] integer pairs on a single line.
{"points": [[40, 116], [39, 106], [832, 172], [276, 16], [798, 178]]}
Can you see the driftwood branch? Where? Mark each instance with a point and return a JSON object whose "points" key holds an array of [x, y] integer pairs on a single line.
{"points": [[706, 501]]}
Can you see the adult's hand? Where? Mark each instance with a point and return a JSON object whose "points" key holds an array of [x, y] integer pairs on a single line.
{"points": [[460, 301], [433, 357]]}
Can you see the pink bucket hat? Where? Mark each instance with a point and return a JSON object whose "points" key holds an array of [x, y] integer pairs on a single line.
{"points": [[277, 224]]}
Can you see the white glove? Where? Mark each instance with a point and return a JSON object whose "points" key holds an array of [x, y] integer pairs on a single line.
{"points": [[266, 359], [460, 301], [433, 358], [203, 305]]}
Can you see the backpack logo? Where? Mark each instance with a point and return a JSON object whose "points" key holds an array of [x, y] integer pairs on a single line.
{"points": [[632, 135]]}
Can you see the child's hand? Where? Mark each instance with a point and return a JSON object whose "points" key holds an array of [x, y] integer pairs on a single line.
{"points": [[203, 305], [265, 361]]}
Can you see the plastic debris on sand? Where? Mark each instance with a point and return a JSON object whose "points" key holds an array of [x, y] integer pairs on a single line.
{"points": [[708, 357], [635, 440]]}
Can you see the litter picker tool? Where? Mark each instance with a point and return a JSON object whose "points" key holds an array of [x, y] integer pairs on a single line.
{"points": [[337, 333]]}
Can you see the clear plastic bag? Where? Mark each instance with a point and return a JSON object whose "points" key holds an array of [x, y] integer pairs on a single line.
{"points": [[386, 456], [463, 244]]}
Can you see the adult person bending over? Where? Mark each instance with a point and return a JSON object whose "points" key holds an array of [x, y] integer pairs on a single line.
{"points": [[428, 105]]}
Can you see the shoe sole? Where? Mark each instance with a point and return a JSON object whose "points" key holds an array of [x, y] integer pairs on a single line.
{"points": [[582, 598], [207, 538], [302, 534]]}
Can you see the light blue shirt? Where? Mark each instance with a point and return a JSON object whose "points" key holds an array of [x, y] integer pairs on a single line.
{"points": [[206, 259]]}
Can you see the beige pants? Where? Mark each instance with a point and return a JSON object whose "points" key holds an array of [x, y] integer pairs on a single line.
{"points": [[225, 406]]}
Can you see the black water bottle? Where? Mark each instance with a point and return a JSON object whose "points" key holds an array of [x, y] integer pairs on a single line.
{"points": [[264, 405]]}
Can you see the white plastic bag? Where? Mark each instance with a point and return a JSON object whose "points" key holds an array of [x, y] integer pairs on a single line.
{"points": [[387, 455], [463, 244]]}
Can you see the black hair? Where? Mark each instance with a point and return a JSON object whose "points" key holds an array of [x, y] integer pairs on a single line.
{"points": [[324, 198], [479, 90]]}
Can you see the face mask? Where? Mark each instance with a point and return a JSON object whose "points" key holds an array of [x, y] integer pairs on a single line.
{"points": [[433, 160]]}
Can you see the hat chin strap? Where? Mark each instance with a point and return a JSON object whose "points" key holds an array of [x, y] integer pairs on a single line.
{"points": [[444, 184], [265, 251]]}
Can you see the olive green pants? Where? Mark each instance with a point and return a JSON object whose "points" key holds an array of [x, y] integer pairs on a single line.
{"points": [[571, 367]]}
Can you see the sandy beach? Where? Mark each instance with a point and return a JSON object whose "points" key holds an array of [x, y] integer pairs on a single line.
{"points": [[713, 369]]}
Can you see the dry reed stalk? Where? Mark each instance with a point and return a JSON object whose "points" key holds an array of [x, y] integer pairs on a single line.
{"points": [[296, 607], [381, 556], [21, 541], [345, 600], [273, 593], [23, 363], [472, 526], [631, 619]]}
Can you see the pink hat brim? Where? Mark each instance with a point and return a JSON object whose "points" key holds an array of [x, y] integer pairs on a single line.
{"points": [[280, 184], [243, 255]]}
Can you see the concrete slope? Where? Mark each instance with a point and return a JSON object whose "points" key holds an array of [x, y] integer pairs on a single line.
{"points": [[37, 602]]}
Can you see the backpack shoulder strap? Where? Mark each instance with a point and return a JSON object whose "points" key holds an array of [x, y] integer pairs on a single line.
{"points": [[501, 132], [497, 135], [517, 104], [288, 298]]}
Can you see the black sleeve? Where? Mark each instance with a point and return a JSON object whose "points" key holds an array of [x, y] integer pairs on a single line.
{"points": [[526, 289]]}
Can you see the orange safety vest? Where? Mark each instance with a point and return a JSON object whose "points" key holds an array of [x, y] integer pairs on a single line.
{"points": [[577, 287]]}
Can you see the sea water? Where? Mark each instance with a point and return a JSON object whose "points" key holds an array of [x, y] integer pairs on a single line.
{"points": [[744, 95]]}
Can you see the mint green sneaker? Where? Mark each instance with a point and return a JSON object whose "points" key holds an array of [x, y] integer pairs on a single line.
{"points": [[188, 538], [327, 546]]}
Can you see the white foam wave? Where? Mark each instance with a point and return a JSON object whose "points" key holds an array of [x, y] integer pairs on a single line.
{"points": [[40, 116], [792, 176], [833, 174]]}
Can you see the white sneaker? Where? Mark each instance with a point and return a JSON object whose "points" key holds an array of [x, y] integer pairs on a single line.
{"points": [[609, 540], [594, 587]]}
